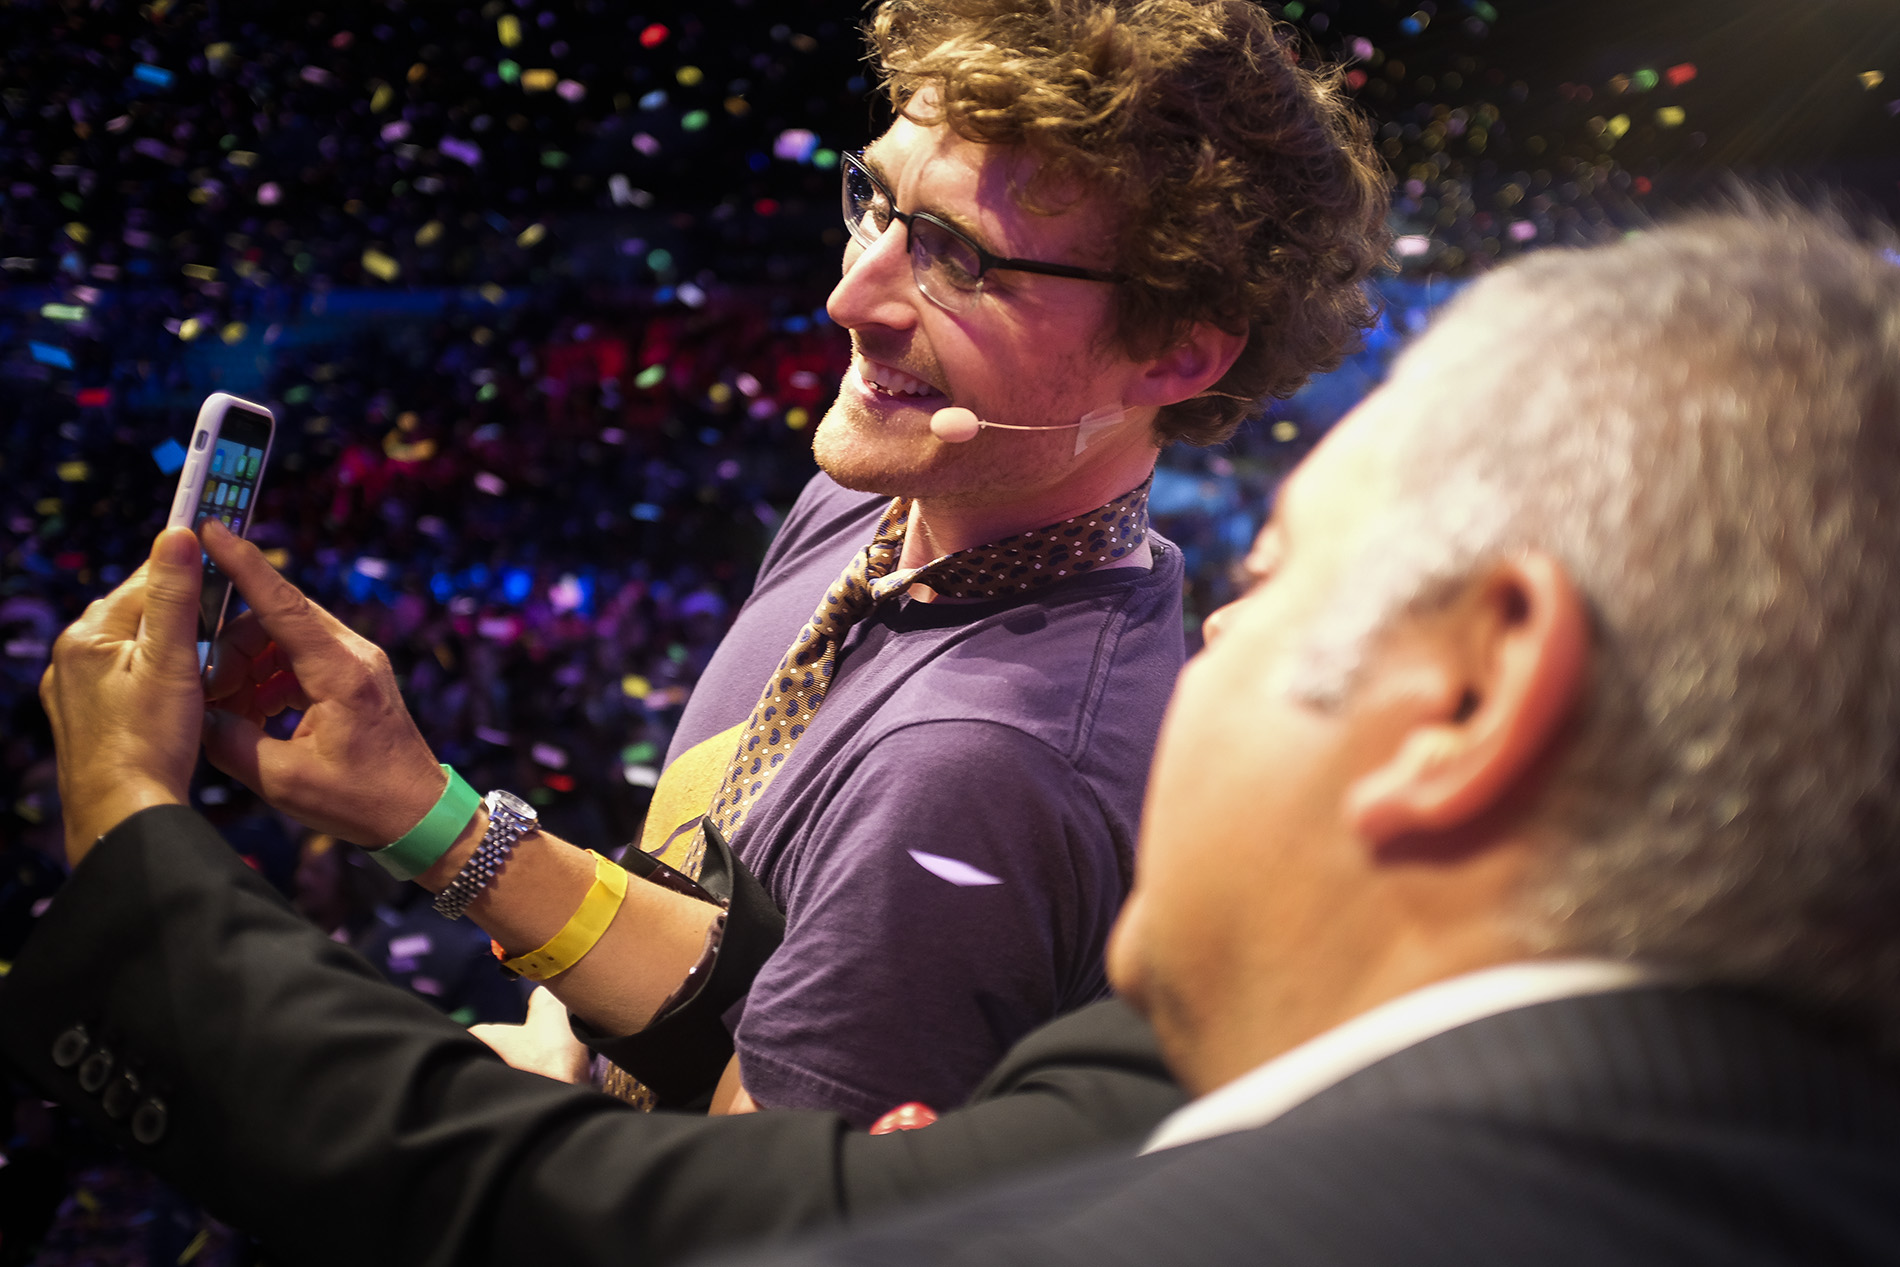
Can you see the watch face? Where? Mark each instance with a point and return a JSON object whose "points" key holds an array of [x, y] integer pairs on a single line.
{"points": [[507, 802]]}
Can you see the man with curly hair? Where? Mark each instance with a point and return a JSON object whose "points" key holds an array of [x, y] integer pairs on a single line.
{"points": [[1095, 227]]}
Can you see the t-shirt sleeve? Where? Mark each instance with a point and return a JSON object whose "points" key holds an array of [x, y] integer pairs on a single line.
{"points": [[968, 883]]}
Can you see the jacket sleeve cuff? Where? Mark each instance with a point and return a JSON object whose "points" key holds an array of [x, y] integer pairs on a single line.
{"points": [[681, 1056]]}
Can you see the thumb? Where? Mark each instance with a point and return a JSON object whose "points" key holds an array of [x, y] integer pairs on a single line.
{"points": [[235, 745], [172, 583]]}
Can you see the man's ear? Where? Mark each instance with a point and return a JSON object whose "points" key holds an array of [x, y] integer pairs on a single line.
{"points": [[1510, 656], [1187, 368]]}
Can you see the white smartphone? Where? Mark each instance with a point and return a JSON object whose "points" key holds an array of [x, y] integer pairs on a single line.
{"points": [[224, 472]]}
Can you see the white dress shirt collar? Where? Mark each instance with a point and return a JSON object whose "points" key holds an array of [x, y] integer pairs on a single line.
{"points": [[1293, 1077]]}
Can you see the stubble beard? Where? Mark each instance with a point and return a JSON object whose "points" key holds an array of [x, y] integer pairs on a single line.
{"points": [[870, 455]]}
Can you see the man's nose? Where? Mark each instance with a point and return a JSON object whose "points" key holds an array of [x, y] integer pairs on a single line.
{"points": [[877, 287], [1216, 623]]}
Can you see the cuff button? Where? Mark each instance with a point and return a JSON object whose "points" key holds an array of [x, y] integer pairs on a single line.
{"points": [[121, 1096], [93, 1074], [70, 1048], [148, 1124]]}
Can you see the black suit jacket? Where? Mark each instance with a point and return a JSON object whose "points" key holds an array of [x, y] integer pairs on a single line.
{"points": [[173, 999], [1658, 1125]]}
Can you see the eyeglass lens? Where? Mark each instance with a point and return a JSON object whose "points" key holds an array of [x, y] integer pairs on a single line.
{"points": [[947, 268]]}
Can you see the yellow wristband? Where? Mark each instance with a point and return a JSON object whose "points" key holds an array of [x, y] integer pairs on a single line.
{"points": [[583, 929]]}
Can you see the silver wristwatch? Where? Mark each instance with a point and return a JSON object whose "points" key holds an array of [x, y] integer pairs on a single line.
{"points": [[509, 819]]}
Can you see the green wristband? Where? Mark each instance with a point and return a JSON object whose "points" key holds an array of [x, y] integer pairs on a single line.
{"points": [[423, 845]]}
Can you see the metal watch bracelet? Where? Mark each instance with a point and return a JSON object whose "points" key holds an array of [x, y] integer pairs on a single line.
{"points": [[509, 819]]}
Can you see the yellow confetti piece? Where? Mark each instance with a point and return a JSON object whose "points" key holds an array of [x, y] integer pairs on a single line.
{"points": [[531, 235], [243, 158], [62, 312], [47, 506], [493, 293], [1286, 431], [429, 234], [417, 73], [538, 80], [217, 52], [277, 557], [380, 98], [509, 30], [1872, 79], [79, 233], [74, 472], [1618, 126], [689, 76], [196, 1247], [719, 393], [232, 333], [381, 265], [190, 328], [633, 686], [796, 418], [1671, 116], [200, 272]]}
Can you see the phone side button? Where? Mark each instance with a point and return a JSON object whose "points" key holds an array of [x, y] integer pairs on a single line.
{"points": [[199, 441]]}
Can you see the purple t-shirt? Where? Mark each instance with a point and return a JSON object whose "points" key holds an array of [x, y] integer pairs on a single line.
{"points": [[952, 838]]}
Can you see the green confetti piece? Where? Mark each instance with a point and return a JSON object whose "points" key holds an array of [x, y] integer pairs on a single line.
{"points": [[650, 377]]}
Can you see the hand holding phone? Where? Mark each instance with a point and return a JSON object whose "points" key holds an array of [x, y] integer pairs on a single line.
{"points": [[223, 475]]}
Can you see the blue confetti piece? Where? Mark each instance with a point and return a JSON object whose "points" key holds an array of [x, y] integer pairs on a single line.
{"points": [[647, 512], [156, 76], [170, 455], [47, 354]]}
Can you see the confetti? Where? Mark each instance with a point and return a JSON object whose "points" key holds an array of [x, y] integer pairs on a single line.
{"points": [[795, 145], [461, 151]]}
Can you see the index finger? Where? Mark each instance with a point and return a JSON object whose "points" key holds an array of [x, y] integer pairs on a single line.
{"points": [[297, 625]]}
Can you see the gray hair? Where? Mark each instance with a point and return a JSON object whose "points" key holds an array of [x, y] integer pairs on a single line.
{"points": [[1702, 423]]}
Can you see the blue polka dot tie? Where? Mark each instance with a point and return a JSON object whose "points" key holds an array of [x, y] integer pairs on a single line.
{"points": [[1015, 565]]}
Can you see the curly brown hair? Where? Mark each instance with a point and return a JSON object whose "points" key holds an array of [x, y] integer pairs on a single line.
{"points": [[1249, 194]]}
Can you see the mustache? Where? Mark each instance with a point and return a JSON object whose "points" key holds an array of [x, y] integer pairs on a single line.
{"points": [[899, 358]]}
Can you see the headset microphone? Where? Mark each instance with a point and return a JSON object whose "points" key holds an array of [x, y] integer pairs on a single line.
{"points": [[957, 425]]}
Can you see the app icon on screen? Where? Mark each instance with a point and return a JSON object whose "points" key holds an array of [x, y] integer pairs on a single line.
{"points": [[244, 498], [217, 460]]}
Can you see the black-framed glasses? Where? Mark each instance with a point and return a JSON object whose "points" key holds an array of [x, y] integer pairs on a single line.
{"points": [[949, 268]]}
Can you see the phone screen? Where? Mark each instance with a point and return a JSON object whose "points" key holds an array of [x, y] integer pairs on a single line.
{"points": [[230, 494]]}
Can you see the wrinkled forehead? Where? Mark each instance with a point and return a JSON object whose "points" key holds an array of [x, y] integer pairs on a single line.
{"points": [[991, 192], [1351, 472]]}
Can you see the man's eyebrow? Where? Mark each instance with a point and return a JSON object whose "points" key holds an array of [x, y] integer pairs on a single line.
{"points": [[950, 218]]}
